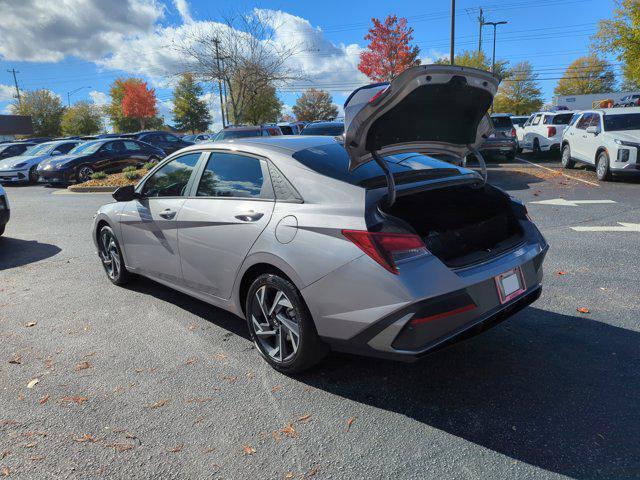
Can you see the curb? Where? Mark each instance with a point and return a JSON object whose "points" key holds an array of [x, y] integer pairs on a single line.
{"points": [[101, 189]]}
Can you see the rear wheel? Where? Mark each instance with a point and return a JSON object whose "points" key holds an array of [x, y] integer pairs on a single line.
{"points": [[83, 173], [281, 326], [111, 256], [566, 157], [602, 167]]}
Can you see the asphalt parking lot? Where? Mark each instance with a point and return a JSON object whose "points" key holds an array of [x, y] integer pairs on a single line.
{"points": [[145, 382]]}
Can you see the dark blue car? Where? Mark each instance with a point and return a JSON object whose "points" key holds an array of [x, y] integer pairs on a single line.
{"points": [[108, 155]]}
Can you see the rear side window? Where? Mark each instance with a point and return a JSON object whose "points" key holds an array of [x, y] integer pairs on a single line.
{"points": [[324, 129], [171, 180], [562, 119], [233, 175], [132, 146]]}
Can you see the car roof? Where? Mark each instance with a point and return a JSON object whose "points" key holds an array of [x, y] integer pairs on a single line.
{"points": [[614, 111], [280, 143]]}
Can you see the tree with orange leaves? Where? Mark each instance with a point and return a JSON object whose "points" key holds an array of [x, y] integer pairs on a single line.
{"points": [[389, 52], [139, 102]]}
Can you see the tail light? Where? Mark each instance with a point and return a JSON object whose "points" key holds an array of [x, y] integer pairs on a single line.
{"points": [[513, 132], [551, 131], [387, 248]]}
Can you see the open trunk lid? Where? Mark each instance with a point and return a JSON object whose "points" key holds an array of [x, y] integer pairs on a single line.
{"points": [[429, 109]]}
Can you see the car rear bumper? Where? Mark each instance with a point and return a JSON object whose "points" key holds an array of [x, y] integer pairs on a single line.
{"points": [[505, 147], [430, 308]]}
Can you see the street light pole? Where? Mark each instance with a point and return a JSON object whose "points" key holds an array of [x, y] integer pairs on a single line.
{"points": [[453, 31], [72, 92], [493, 57]]}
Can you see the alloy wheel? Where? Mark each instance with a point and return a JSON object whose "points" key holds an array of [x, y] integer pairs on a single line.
{"points": [[109, 254], [85, 173], [273, 320]]}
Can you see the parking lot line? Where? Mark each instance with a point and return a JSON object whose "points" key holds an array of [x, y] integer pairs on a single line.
{"points": [[556, 171]]}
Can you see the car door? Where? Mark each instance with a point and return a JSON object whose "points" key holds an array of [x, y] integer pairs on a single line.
{"points": [[230, 206], [591, 142], [149, 224], [109, 157], [578, 141], [136, 156], [531, 132]]}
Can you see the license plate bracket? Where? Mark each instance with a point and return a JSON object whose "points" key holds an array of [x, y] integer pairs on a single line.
{"points": [[510, 284]]}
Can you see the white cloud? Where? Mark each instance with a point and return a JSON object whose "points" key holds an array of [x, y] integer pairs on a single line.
{"points": [[7, 110], [7, 92], [48, 31], [99, 98], [183, 9]]}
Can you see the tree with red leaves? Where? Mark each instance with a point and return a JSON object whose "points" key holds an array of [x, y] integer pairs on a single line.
{"points": [[139, 102], [389, 52]]}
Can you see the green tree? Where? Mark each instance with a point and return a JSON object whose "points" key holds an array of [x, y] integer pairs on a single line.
{"points": [[586, 75], [520, 92], [83, 118], [263, 106], [45, 110], [621, 36], [260, 104], [475, 59], [315, 105], [189, 112]]}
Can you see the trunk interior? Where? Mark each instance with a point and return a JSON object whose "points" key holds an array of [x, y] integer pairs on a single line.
{"points": [[460, 225]]}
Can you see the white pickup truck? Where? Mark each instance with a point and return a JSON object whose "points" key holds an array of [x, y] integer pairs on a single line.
{"points": [[543, 131]]}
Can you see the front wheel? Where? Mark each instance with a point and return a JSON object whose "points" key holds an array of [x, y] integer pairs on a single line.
{"points": [[84, 173], [111, 256], [281, 326], [602, 167], [566, 157]]}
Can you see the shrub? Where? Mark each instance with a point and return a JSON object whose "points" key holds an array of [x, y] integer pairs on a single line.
{"points": [[149, 165], [131, 175], [98, 176], [129, 169]]}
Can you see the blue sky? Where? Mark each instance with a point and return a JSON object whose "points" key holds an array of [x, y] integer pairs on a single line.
{"points": [[71, 44]]}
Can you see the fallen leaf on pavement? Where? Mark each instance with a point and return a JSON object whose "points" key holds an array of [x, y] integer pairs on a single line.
{"points": [[220, 356], [120, 447], [44, 399], [229, 378], [82, 366], [30, 324], [191, 361], [304, 418], [48, 363], [32, 383], [5, 471], [177, 448], [276, 388], [288, 476], [85, 438], [36, 458], [312, 472], [158, 404], [209, 450], [561, 272], [30, 445], [583, 310], [276, 436], [4, 454], [349, 422], [248, 449], [289, 431], [192, 327], [77, 399], [16, 360]]}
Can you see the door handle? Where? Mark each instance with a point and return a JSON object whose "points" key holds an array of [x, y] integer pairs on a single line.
{"points": [[250, 216], [168, 214]]}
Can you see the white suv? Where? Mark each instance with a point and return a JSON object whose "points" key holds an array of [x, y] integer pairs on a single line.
{"points": [[543, 131], [607, 138]]}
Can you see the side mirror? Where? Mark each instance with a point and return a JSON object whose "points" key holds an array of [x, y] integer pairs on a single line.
{"points": [[593, 130], [125, 194]]}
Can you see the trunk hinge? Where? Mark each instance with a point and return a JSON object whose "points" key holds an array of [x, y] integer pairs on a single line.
{"points": [[483, 165], [391, 184]]}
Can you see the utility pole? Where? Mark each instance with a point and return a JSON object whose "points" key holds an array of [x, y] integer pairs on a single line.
{"points": [[453, 31], [217, 44], [15, 81], [72, 92], [481, 22]]}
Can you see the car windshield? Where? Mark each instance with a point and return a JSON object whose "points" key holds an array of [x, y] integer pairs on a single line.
{"points": [[40, 149], [86, 148], [562, 119], [332, 129], [502, 122], [625, 121], [332, 160], [229, 134]]}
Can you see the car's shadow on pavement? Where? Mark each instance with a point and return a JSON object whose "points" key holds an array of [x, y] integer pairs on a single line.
{"points": [[15, 252], [217, 316], [512, 180], [555, 391]]}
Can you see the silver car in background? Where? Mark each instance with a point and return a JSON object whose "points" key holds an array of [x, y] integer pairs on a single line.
{"points": [[370, 246], [22, 168]]}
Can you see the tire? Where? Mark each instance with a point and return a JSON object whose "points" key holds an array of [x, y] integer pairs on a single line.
{"points": [[275, 309], [33, 174], [2, 230], [111, 256], [84, 172], [511, 157], [566, 158], [602, 167], [154, 159], [537, 152]]}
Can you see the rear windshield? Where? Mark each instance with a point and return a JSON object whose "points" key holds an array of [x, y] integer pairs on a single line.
{"points": [[560, 119], [626, 121], [502, 122], [332, 161], [334, 129], [228, 134]]}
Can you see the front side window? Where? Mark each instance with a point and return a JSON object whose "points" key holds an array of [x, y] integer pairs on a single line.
{"points": [[65, 147], [584, 121], [132, 146], [171, 180], [232, 175], [170, 138]]}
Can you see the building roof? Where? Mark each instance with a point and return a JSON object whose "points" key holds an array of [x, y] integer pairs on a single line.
{"points": [[15, 125]]}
